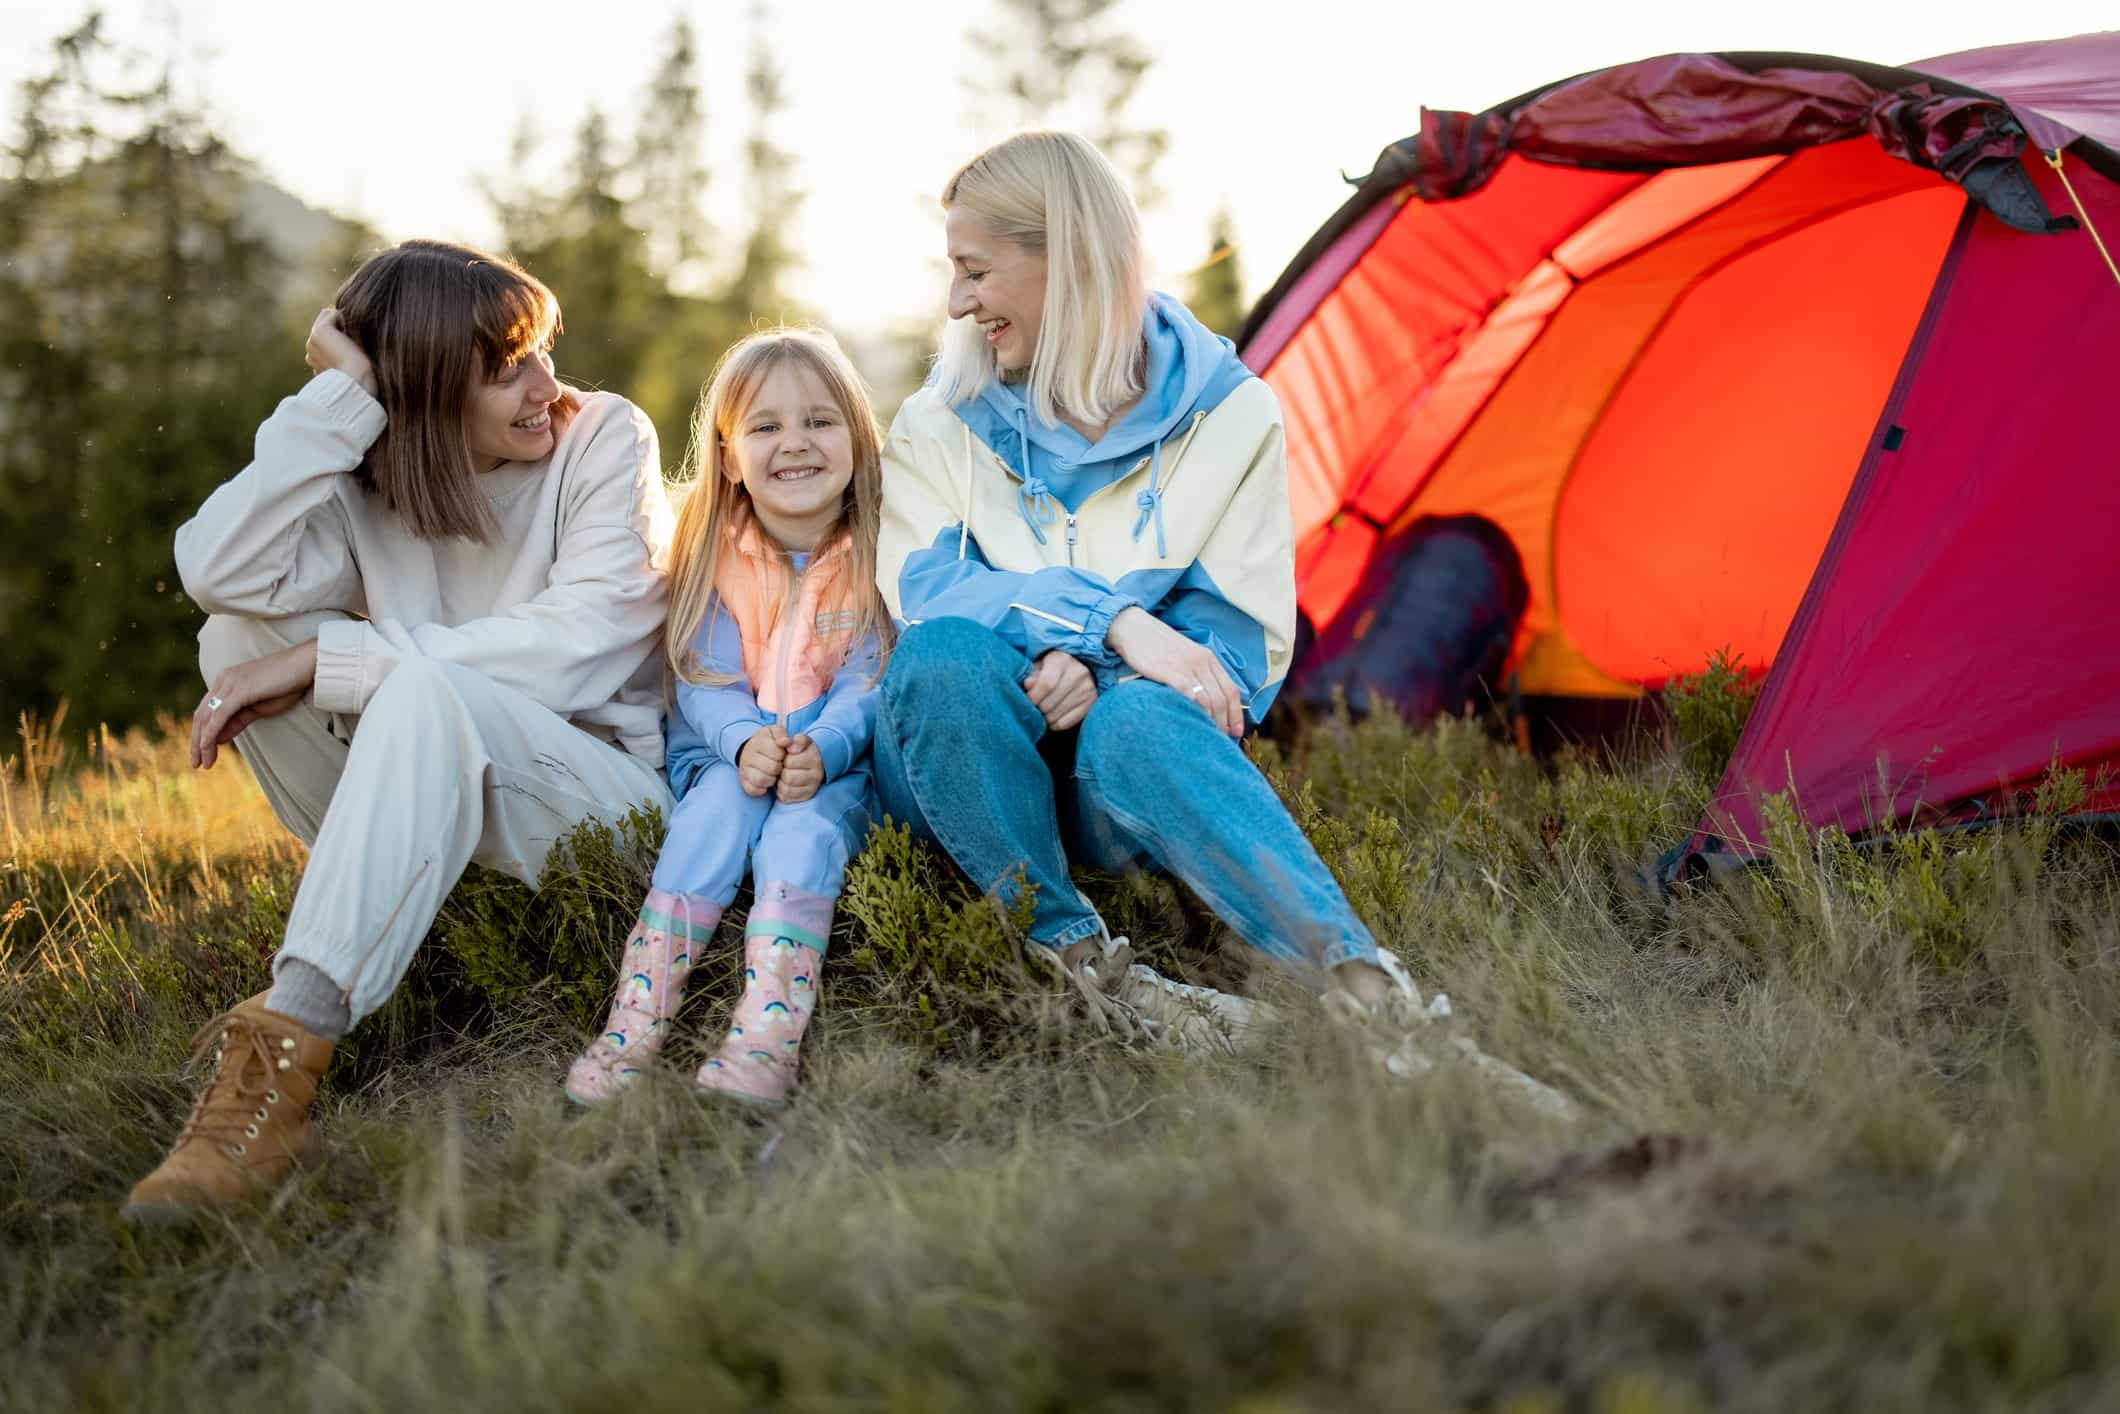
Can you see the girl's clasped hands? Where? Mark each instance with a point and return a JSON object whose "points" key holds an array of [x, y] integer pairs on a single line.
{"points": [[791, 767]]}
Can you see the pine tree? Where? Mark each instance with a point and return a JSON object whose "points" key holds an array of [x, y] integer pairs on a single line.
{"points": [[143, 344], [523, 213], [757, 292], [628, 250], [1068, 64], [1215, 289], [585, 244], [667, 165]]}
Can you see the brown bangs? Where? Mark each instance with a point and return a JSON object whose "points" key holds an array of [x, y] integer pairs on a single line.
{"points": [[514, 315], [432, 316]]}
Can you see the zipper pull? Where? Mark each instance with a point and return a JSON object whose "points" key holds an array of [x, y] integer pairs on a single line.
{"points": [[1071, 539]]}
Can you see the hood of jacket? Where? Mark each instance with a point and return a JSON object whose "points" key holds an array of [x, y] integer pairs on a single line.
{"points": [[1189, 369]]}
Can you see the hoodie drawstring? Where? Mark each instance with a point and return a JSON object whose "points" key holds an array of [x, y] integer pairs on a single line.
{"points": [[964, 526], [1151, 501], [1034, 499]]}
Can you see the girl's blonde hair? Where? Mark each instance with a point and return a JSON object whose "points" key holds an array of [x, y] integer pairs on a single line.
{"points": [[712, 500], [1054, 193]]}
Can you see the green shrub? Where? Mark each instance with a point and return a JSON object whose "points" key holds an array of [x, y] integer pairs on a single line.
{"points": [[935, 955], [555, 948], [500, 952], [1709, 709]]}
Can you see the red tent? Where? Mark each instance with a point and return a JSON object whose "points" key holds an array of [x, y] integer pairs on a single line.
{"points": [[1802, 357]]}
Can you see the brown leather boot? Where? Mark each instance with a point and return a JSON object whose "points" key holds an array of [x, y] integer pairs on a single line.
{"points": [[246, 1131]]}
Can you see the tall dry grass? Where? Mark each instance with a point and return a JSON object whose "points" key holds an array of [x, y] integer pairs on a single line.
{"points": [[1849, 1134]]}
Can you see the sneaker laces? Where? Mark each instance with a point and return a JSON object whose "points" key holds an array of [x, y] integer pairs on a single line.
{"points": [[1138, 1005], [1180, 1014], [1093, 982]]}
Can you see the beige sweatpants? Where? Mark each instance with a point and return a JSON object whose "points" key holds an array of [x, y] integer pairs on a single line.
{"points": [[446, 767]]}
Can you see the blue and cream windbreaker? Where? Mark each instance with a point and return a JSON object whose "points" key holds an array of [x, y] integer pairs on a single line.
{"points": [[1181, 508]]}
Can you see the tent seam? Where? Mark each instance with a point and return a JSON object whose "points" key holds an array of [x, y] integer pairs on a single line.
{"points": [[1843, 525]]}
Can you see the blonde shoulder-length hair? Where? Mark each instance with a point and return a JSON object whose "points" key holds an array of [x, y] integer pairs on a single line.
{"points": [[711, 499], [1054, 193]]}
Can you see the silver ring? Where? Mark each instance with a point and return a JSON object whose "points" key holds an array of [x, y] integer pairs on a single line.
{"points": [[1197, 689], [213, 704]]}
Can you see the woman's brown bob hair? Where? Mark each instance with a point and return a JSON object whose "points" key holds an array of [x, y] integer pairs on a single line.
{"points": [[431, 317]]}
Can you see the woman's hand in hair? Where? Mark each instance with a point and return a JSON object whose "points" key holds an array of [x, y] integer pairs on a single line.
{"points": [[262, 687], [332, 347], [802, 772], [759, 761], [1160, 653], [1062, 690]]}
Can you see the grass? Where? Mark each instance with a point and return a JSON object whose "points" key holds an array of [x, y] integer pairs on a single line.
{"points": [[1848, 1135]]}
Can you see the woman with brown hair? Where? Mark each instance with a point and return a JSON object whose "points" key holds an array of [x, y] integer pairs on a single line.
{"points": [[435, 608]]}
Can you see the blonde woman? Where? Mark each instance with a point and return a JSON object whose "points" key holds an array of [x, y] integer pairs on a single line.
{"points": [[435, 610], [1086, 536]]}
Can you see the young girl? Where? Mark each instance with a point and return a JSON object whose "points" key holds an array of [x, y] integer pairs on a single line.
{"points": [[776, 637]]}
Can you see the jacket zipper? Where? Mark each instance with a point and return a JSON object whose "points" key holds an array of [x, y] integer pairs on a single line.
{"points": [[1131, 473], [787, 639]]}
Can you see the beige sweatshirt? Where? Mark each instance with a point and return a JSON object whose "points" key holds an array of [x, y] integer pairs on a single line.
{"points": [[565, 605]]}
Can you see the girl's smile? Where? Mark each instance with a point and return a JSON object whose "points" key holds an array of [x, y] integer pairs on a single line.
{"points": [[794, 453]]}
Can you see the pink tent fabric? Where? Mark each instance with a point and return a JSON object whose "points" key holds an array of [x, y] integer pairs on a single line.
{"points": [[1955, 637], [1952, 639], [2058, 88]]}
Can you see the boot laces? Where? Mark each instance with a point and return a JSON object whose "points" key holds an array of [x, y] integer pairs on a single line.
{"points": [[241, 1094]]}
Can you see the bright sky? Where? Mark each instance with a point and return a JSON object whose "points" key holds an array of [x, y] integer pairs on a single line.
{"points": [[394, 109]]}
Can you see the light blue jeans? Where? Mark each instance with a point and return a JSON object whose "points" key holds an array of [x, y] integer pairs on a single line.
{"points": [[1146, 781]]}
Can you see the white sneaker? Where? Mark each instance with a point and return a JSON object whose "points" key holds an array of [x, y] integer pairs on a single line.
{"points": [[1415, 1035], [1137, 1003], [1184, 1016]]}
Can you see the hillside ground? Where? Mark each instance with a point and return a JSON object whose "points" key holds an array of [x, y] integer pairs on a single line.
{"points": [[1847, 1137]]}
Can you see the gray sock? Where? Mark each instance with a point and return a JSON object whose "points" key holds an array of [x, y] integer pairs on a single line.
{"points": [[308, 995]]}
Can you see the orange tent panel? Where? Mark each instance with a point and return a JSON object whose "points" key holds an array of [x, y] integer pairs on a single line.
{"points": [[1511, 463], [1439, 269], [1699, 506]]}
